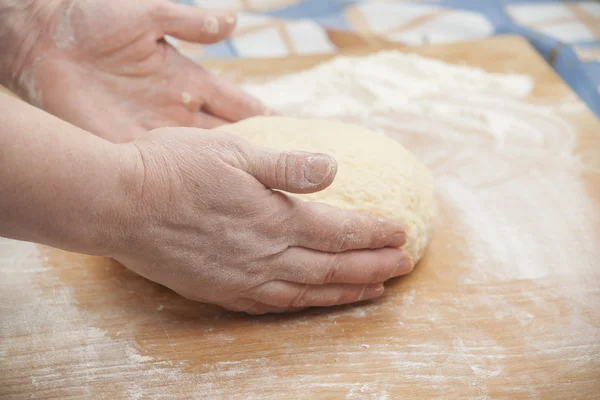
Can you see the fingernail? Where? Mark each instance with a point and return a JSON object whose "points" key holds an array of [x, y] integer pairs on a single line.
{"points": [[317, 168], [404, 265], [398, 239], [371, 292]]}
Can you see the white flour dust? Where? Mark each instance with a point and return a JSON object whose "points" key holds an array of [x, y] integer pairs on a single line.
{"points": [[48, 331], [392, 90], [485, 142], [387, 81], [506, 172]]}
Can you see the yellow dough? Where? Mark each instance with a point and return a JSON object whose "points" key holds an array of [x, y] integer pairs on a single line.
{"points": [[376, 174]]}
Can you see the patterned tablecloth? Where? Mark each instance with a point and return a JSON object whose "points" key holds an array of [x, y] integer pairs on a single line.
{"points": [[566, 33]]}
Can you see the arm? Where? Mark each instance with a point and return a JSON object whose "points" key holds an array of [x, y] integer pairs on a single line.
{"points": [[193, 210], [61, 186]]}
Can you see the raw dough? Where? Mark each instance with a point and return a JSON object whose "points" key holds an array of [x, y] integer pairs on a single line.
{"points": [[376, 174]]}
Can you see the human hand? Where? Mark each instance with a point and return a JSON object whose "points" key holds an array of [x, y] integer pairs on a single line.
{"points": [[105, 66], [208, 224]]}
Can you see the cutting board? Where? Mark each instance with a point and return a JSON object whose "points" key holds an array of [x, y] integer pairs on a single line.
{"points": [[506, 302]]}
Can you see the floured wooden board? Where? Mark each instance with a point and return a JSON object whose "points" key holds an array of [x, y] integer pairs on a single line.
{"points": [[506, 302]]}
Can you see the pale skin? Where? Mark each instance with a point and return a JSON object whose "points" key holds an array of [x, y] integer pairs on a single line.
{"points": [[200, 211]]}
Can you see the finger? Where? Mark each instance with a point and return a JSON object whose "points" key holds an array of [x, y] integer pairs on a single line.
{"points": [[322, 227], [195, 24], [261, 309], [207, 121], [294, 172], [300, 265], [294, 295], [254, 307], [229, 102]]}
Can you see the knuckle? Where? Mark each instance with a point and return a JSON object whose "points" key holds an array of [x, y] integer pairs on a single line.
{"points": [[231, 148], [210, 90], [286, 173], [380, 274], [254, 273], [361, 294], [275, 222], [340, 299], [299, 300], [333, 270], [335, 300], [347, 236], [159, 10], [381, 268]]}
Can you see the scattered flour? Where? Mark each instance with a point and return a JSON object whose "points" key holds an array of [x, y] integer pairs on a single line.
{"points": [[487, 133], [48, 331], [497, 156], [64, 35], [380, 82]]}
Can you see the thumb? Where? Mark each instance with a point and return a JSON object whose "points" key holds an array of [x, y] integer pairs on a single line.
{"points": [[294, 172], [195, 24]]}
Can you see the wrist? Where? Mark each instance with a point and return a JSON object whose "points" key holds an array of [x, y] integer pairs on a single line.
{"points": [[114, 222], [27, 28], [135, 211]]}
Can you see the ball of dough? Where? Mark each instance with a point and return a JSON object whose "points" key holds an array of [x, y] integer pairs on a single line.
{"points": [[376, 174]]}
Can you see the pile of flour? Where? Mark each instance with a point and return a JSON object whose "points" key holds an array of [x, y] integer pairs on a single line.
{"points": [[382, 82], [486, 140]]}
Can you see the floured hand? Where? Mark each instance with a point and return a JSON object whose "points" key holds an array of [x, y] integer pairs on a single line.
{"points": [[105, 66], [208, 225]]}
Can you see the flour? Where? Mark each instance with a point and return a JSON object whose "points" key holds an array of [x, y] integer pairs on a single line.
{"points": [[49, 331], [395, 90], [210, 25], [476, 130], [367, 86], [506, 170], [64, 35]]}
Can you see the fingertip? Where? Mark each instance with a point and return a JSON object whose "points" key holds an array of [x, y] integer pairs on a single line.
{"points": [[319, 171], [216, 24], [398, 239], [371, 291], [404, 264], [196, 24], [227, 21], [395, 235], [230, 17]]}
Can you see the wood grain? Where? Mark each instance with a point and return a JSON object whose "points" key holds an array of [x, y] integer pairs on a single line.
{"points": [[465, 324]]}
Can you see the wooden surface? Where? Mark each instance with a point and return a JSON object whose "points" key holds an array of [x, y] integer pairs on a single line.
{"points": [[506, 303]]}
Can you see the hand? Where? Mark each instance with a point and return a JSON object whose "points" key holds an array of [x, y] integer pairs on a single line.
{"points": [[208, 225], [105, 67]]}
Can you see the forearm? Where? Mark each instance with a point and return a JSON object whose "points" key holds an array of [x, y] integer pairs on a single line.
{"points": [[60, 186]]}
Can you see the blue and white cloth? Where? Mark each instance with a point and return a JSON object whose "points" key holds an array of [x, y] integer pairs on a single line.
{"points": [[566, 33]]}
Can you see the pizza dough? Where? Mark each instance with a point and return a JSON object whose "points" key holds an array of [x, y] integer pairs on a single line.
{"points": [[376, 174]]}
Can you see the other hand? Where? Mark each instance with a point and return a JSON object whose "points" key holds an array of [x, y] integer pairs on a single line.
{"points": [[105, 66]]}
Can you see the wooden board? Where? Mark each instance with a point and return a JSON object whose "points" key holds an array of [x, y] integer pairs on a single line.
{"points": [[506, 302]]}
